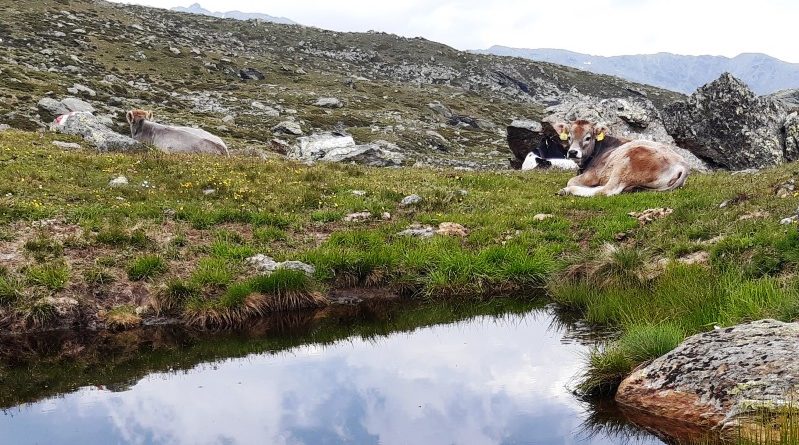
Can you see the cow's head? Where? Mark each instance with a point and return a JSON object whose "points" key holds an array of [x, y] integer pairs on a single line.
{"points": [[136, 118], [581, 138]]}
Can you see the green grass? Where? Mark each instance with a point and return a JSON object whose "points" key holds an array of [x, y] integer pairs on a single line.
{"points": [[293, 212], [53, 276], [145, 267]]}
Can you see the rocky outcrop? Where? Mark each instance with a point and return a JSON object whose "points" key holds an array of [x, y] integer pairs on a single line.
{"points": [[94, 131], [792, 137], [713, 381], [725, 123], [52, 108], [787, 98], [330, 147]]}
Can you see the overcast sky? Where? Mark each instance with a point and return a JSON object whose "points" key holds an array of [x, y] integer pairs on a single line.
{"points": [[599, 27]]}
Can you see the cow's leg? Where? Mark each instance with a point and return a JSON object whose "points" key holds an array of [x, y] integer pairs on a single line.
{"points": [[580, 185], [578, 190]]}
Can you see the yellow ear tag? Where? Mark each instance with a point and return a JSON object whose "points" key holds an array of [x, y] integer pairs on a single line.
{"points": [[564, 136], [600, 137]]}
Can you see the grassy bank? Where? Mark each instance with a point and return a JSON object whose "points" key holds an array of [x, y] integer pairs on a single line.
{"points": [[173, 242]]}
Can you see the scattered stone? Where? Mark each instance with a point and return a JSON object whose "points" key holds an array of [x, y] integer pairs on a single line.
{"points": [[358, 193], [385, 216], [789, 220], [370, 154], [441, 109], [786, 189], [74, 104], [650, 215], [174, 50], [265, 109], [720, 380], [701, 258], [4, 127], [437, 141], [66, 145], [757, 214], [119, 181], [251, 74], [418, 231], [452, 229], [63, 306], [727, 124], [410, 200], [209, 192], [543, 217], [329, 102], [94, 131], [229, 119], [358, 217], [267, 265], [81, 89], [288, 127], [298, 266]]}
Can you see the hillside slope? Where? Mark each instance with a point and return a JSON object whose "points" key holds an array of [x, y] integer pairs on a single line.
{"points": [[763, 73], [187, 68]]}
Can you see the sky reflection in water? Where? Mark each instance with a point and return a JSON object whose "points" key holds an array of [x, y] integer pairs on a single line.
{"points": [[483, 381]]}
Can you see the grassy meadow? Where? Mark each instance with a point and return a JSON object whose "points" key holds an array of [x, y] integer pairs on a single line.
{"points": [[173, 243]]}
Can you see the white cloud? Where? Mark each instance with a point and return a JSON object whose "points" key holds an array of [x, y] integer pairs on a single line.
{"points": [[601, 27]]}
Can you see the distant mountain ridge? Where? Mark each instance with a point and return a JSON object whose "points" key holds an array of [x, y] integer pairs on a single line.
{"points": [[684, 74], [237, 15]]}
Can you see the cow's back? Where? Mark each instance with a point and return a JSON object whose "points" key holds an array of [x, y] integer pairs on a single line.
{"points": [[188, 140]]}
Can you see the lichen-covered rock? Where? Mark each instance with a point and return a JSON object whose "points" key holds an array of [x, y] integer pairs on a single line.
{"points": [[714, 380], [315, 147], [94, 131], [370, 154], [329, 147], [329, 102], [792, 137], [725, 123]]}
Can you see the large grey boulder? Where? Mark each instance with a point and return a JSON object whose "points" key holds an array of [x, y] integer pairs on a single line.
{"points": [[53, 108], [725, 123], [316, 146], [372, 155], [331, 147], [93, 130], [713, 381]]}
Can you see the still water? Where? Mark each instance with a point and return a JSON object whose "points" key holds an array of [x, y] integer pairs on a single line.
{"points": [[492, 375]]}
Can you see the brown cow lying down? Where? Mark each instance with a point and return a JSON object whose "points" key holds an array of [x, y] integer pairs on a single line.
{"points": [[610, 165], [173, 139]]}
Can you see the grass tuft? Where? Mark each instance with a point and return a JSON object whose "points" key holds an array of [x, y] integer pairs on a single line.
{"points": [[145, 267]]}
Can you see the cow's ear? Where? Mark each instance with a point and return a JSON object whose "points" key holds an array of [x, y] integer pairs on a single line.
{"points": [[149, 116], [600, 131], [129, 117], [562, 128]]}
